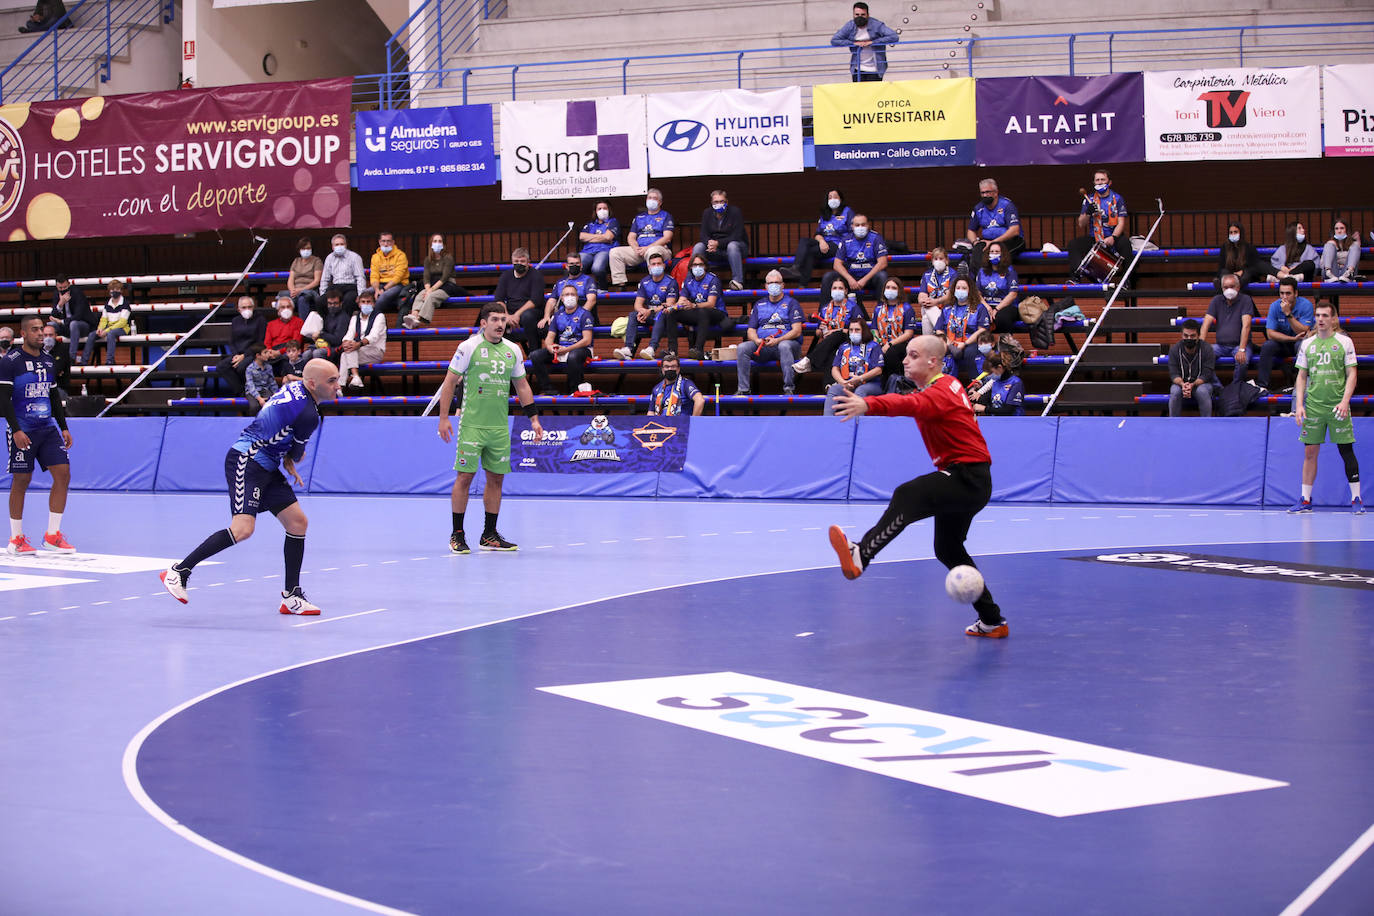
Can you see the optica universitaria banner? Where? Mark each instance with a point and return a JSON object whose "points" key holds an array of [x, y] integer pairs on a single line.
{"points": [[725, 132], [602, 445], [1250, 113], [1348, 98], [446, 147], [263, 156], [580, 148], [1061, 119], [893, 125]]}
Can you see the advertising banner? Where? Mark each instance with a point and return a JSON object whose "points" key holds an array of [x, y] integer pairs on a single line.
{"points": [[728, 132], [449, 147], [1348, 99], [894, 125], [602, 445], [581, 148], [1236, 113], [271, 156], [1061, 119]]}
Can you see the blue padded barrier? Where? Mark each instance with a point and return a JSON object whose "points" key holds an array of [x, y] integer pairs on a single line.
{"points": [[1160, 460], [774, 457], [380, 455], [1283, 465], [107, 454], [193, 453]]}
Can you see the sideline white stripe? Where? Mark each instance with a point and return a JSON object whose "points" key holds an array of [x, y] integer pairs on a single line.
{"points": [[311, 623], [1328, 877]]}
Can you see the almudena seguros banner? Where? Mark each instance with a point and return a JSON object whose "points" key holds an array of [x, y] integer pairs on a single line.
{"points": [[264, 156], [900, 124]]}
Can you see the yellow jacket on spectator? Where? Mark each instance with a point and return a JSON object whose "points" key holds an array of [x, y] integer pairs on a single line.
{"points": [[389, 268], [115, 315]]}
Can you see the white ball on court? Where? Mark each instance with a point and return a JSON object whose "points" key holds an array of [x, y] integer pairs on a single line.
{"points": [[964, 584]]}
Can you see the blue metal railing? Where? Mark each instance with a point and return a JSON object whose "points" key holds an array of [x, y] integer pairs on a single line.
{"points": [[441, 28], [1073, 53], [73, 51]]}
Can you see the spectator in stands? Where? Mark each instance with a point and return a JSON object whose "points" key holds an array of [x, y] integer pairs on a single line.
{"points": [[45, 13], [284, 328], [657, 294], [333, 326], [999, 288], [568, 341], [1103, 222], [1290, 319], [1002, 393], [521, 291], [246, 330], [995, 219], [598, 237], [669, 395], [437, 284], [723, 238], [1191, 370], [964, 325], [71, 315], [831, 226], [1295, 257], [293, 370], [857, 366], [701, 306], [933, 295], [343, 268], [303, 280], [114, 323], [867, 40], [774, 332], [6, 339], [62, 361], [1231, 313], [260, 382], [1239, 258], [573, 278], [651, 230], [861, 259], [1341, 254], [390, 274], [364, 343], [894, 324], [832, 328]]}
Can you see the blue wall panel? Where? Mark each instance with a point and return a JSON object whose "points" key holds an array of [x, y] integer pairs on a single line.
{"points": [[380, 455], [774, 457], [110, 454], [1283, 465], [193, 452]]}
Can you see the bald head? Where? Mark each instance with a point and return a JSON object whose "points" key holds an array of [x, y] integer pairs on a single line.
{"points": [[321, 379], [925, 358]]}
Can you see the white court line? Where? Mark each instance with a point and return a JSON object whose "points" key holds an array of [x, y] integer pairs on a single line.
{"points": [[1328, 877], [643, 539], [326, 569], [710, 534], [98, 603], [544, 547], [741, 532], [311, 623], [6, 618], [776, 530], [37, 613], [354, 566], [417, 559], [243, 580], [70, 607], [389, 562], [612, 541], [674, 537], [131, 598], [578, 544]]}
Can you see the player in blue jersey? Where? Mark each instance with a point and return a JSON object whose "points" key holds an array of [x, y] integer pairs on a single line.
{"points": [[273, 442], [37, 432]]}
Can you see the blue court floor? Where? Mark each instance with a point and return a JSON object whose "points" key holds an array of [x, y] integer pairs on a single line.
{"points": [[682, 707]]}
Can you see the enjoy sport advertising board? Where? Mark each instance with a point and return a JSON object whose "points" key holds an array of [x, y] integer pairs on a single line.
{"points": [[1237, 113], [901, 124], [577, 148], [725, 132]]}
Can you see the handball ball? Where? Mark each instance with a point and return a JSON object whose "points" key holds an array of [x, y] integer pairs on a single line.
{"points": [[964, 584]]}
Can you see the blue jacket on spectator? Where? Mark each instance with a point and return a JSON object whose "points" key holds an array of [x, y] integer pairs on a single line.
{"points": [[879, 34]]}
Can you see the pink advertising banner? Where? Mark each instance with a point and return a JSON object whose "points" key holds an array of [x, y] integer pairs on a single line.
{"points": [[273, 156]]}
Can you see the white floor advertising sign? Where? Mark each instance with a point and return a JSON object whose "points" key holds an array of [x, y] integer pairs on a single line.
{"points": [[1237, 113], [578, 148], [725, 132]]}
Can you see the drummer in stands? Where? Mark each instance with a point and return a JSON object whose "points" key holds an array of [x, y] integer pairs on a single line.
{"points": [[1103, 218]]}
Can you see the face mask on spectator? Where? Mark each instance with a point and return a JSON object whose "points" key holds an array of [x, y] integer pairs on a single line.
{"points": [[285, 314], [698, 271], [719, 208], [1100, 188], [989, 200], [670, 375], [365, 308], [436, 247], [570, 302], [305, 252], [861, 21], [651, 204], [520, 268], [837, 295], [856, 337], [860, 231], [1234, 237], [1300, 236], [775, 289], [891, 294], [985, 348], [1338, 236], [1230, 292], [939, 265], [1190, 343], [49, 343], [656, 271], [385, 249], [994, 259], [333, 306], [575, 269], [961, 294], [5, 343], [340, 250], [602, 213], [246, 313], [834, 203]]}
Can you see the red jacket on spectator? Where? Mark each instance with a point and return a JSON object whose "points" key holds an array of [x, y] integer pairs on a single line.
{"points": [[279, 332]]}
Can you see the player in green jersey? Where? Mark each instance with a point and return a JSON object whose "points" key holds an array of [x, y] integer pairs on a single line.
{"points": [[485, 365], [1321, 403]]}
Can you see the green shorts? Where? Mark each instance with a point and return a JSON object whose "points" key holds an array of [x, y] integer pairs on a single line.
{"points": [[1321, 418], [488, 445]]}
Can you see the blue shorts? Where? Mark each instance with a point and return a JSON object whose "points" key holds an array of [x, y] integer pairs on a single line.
{"points": [[253, 488], [45, 444]]}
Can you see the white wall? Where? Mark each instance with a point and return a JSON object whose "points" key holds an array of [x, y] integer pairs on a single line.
{"points": [[154, 63]]}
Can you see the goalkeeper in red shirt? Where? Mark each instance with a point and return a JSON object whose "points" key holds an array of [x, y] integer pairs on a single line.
{"points": [[953, 493]]}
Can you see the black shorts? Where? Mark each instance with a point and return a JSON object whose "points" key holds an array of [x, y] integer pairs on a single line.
{"points": [[45, 445], [253, 488]]}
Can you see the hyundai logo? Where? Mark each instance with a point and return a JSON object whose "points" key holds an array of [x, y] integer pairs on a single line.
{"points": [[682, 135]]}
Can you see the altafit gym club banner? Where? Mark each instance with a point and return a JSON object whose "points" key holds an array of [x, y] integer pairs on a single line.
{"points": [[264, 156], [581, 148], [900, 124], [1253, 113], [1348, 99], [1061, 119], [727, 132], [602, 445], [445, 147]]}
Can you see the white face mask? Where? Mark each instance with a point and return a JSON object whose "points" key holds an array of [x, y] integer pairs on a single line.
{"points": [[856, 337], [602, 213], [1234, 237], [775, 289], [246, 313], [939, 266], [698, 271], [1230, 292], [961, 294], [834, 203], [651, 204], [305, 252], [985, 348], [656, 271], [386, 249], [285, 314], [837, 295], [1338, 236], [860, 231], [436, 247], [891, 295], [569, 302], [1100, 188], [1300, 236], [340, 249]]}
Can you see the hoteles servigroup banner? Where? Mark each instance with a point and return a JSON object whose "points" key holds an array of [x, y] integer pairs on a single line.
{"points": [[441, 147], [1061, 119], [576, 148], [901, 124], [271, 156], [1348, 100], [1235, 113], [725, 132]]}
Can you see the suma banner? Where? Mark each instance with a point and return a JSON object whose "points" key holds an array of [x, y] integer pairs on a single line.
{"points": [[727, 132], [581, 148], [1348, 99], [1061, 119], [1253, 113], [901, 124], [448, 147], [603, 445], [267, 157]]}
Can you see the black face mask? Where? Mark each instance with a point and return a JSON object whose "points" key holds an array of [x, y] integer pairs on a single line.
{"points": [[989, 200], [5, 344], [670, 375], [861, 21], [334, 306], [1190, 344], [574, 270], [520, 268]]}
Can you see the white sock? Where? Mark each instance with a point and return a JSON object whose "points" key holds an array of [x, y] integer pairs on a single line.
{"points": [[1307, 492], [1355, 490], [54, 522], [16, 527]]}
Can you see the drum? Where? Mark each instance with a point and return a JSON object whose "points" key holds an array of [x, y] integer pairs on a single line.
{"points": [[1100, 264]]}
